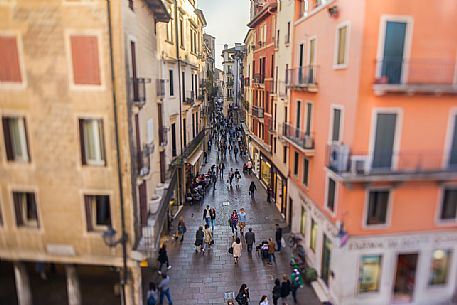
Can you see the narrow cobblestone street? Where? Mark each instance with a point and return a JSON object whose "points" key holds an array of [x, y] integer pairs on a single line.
{"points": [[203, 279]]}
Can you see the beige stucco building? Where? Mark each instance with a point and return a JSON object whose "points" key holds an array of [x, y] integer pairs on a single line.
{"points": [[79, 133]]}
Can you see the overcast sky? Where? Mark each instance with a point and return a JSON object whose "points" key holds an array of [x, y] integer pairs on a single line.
{"points": [[227, 21]]}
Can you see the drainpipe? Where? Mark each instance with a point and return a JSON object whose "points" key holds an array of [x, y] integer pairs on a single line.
{"points": [[123, 275], [180, 94]]}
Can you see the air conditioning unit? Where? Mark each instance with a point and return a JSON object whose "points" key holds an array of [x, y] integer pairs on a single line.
{"points": [[359, 165], [338, 157]]}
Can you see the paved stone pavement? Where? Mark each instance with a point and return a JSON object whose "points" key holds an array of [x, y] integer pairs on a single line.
{"points": [[203, 279]]}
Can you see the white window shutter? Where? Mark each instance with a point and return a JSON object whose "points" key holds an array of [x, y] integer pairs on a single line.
{"points": [[150, 131]]}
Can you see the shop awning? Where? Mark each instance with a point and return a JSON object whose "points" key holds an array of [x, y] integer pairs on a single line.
{"points": [[194, 157]]}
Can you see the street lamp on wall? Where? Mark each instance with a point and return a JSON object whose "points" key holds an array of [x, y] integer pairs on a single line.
{"points": [[109, 238]]}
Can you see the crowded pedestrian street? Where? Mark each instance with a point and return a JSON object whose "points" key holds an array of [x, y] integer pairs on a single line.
{"points": [[204, 277]]}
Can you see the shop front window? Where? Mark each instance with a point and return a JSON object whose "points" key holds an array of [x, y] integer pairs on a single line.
{"points": [[313, 237], [439, 272], [266, 172], [370, 273]]}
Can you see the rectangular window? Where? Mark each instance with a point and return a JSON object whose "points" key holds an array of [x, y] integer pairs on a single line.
{"points": [[303, 221], [297, 117], [336, 126], [296, 163], [98, 212], [25, 209], [449, 205], [173, 140], [341, 56], [272, 66], [15, 137], [10, 69], [287, 74], [193, 125], [85, 60], [331, 191], [181, 33], [170, 31], [172, 84], [305, 171], [441, 264], [309, 117], [378, 202], [453, 147], [288, 33], [370, 273], [92, 141], [313, 236], [274, 145], [183, 84]]}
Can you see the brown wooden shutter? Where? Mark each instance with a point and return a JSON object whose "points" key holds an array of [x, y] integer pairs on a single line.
{"points": [[88, 209], [18, 209], [9, 60], [81, 142], [85, 60], [7, 137]]}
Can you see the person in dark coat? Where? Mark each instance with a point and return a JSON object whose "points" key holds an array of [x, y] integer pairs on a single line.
{"points": [[285, 288], [242, 298], [163, 257], [278, 237], [249, 237], [199, 239], [276, 292]]}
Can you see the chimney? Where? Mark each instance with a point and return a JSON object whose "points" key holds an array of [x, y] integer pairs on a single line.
{"points": [[225, 46]]}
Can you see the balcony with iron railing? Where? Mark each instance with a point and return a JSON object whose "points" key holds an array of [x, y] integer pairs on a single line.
{"points": [[302, 140], [282, 89], [416, 76], [138, 91], [258, 78], [270, 85], [363, 167], [257, 112], [304, 78], [272, 126], [189, 98]]}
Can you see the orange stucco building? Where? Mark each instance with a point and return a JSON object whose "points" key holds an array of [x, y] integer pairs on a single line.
{"points": [[373, 148]]}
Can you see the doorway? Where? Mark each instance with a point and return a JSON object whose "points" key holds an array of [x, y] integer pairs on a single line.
{"points": [[326, 255], [405, 278], [394, 48]]}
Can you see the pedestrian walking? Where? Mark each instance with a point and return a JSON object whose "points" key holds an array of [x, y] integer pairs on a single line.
{"points": [[236, 245], [264, 300], [231, 176], [214, 176], [242, 217], [152, 295], [278, 237], [235, 152], [269, 191], [285, 288], [164, 288], [237, 178], [207, 215], [242, 298], [295, 283], [199, 239], [276, 292], [221, 169], [252, 189], [163, 257], [212, 215], [205, 157], [271, 252], [233, 220], [249, 237], [181, 228], [207, 238]]}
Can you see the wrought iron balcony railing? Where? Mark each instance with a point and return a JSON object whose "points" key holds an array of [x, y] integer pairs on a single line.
{"points": [[304, 78], [257, 111], [138, 91], [398, 75], [395, 166], [298, 137]]}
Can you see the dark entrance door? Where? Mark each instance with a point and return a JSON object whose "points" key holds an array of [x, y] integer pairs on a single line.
{"points": [[326, 254], [405, 278]]}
